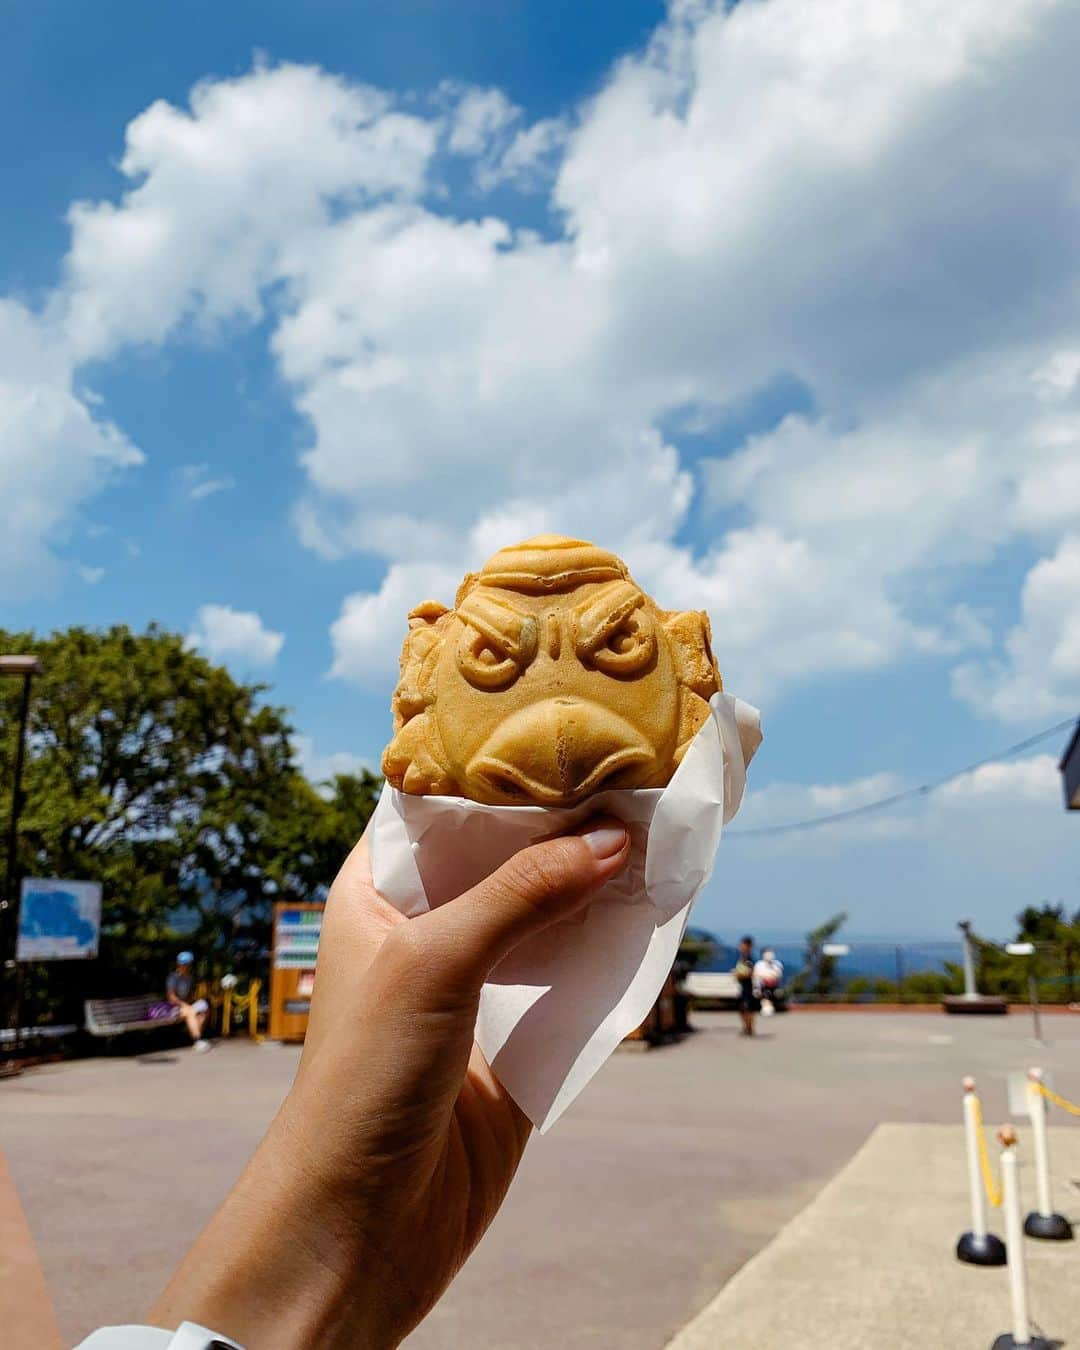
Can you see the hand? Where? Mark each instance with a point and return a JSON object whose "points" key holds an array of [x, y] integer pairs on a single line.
{"points": [[396, 1145]]}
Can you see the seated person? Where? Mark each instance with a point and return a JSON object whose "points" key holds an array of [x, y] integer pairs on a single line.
{"points": [[177, 1004]]}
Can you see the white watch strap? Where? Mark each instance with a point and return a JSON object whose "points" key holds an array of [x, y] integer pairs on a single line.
{"points": [[188, 1336]]}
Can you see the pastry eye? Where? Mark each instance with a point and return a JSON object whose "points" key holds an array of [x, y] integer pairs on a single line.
{"points": [[488, 661], [627, 648]]}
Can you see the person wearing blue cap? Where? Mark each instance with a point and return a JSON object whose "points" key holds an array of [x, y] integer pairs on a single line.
{"points": [[179, 986]]}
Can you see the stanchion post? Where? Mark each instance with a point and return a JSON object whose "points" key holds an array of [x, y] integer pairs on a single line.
{"points": [[978, 1247], [1042, 1222], [1021, 1337]]}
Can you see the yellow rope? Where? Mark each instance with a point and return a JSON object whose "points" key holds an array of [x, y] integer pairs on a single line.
{"points": [[992, 1187], [1065, 1105]]}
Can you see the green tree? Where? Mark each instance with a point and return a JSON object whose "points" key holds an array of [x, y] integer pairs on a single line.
{"points": [[817, 979], [697, 946], [153, 771]]}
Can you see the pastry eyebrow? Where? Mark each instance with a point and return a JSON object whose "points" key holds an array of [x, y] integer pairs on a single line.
{"points": [[500, 623], [605, 612]]}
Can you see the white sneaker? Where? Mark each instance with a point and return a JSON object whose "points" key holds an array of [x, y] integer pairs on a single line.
{"points": [[200, 1047]]}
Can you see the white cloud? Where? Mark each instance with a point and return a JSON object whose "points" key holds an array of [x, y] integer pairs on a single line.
{"points": [[368, 634], [320, 768], [219, 191], [985, 845], [480, 116], [878, 201], [1041, 676], [530, 155], [234, 635], [1034, 779], [197, 484], [91, 575], [56, 451], [781, 804]]}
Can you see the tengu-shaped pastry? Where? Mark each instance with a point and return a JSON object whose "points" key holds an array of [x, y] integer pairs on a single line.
{"points": [[553, 677]]}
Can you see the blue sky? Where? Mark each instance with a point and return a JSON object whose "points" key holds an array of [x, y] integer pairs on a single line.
{"points": [[305, 310]]}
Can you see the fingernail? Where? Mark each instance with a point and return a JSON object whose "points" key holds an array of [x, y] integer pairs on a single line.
{"points": [[606, 840]]}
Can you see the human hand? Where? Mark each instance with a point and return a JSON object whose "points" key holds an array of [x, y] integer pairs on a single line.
{"points": [[396, 1145]]}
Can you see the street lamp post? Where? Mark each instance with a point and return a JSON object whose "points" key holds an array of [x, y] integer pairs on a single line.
{"points": [[24, 668]]}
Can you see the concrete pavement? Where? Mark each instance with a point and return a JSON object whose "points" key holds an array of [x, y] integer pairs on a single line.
{"points": [[671, 1170], [870, 1260]]}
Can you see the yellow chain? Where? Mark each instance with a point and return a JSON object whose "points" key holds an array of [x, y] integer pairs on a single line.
{"points": [[992, 1188], [1065, 1105]]}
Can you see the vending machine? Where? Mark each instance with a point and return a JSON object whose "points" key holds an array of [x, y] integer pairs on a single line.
{"points": [[292, 968]]}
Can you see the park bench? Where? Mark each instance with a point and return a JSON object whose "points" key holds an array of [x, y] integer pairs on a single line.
{"points": [[720, 988], [116, 1016], [711, 986]]}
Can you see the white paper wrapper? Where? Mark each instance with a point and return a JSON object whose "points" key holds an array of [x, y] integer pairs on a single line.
{"points": [[553, 1011]]}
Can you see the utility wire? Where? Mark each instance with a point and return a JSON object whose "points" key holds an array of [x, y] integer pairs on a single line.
{"points": [[883, 803]]}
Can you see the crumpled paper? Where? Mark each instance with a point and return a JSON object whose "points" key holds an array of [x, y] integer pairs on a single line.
{"points": [[559, 1004]]}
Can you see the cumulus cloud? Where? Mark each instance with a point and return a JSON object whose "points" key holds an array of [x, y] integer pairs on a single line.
{"points": [[481, 115], [221, 191], [876, 202], [1040, 676], [321, 767], [368, 634], [912, 869], [1035, 779], [235, 636], [56, 450], [530, 157]]}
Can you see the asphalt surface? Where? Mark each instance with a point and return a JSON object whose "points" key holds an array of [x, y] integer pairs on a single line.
{"points": [[672, 1169]]}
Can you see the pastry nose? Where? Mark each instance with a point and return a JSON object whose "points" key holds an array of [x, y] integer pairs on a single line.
{"points": [[557, 752]]}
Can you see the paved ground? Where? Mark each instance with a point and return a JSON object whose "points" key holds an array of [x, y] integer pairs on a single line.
{"points": [[813, 1277], [673, 1169]]}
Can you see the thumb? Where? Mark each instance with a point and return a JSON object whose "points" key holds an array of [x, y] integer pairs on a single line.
{"points": [[461, 941]]}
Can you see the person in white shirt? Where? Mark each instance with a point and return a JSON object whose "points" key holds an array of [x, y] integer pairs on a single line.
{"points": [[768, 977]]}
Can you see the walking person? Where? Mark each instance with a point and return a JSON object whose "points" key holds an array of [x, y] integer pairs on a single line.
{"points": [[179, 986], [749, 1003]]}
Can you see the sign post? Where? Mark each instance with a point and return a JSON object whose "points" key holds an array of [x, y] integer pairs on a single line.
{"points": [[58, 920]]}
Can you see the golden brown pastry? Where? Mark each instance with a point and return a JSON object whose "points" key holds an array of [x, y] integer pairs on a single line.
{"points": [[553, 677]]}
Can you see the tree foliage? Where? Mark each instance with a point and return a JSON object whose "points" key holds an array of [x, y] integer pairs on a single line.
{"points": [[817, 978], [697, 947], [1054, 966], [153, 771]]}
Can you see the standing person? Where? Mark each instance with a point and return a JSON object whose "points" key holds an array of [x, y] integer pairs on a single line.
{"points": [[749, 1003], [768, 977], [179, 986]]}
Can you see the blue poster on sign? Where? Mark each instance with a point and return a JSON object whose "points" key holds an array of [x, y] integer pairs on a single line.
{"points": [[59, 920]]}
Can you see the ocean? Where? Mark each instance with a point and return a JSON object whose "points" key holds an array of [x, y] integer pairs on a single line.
{"points": [[867, 960]]}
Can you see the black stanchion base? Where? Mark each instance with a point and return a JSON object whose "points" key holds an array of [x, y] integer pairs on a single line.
{"points": [[981, 1251], [1052, 1227], [1006, 1342]]}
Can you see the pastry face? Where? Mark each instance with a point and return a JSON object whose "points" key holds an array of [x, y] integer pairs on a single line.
{"points": [[555, 676]]}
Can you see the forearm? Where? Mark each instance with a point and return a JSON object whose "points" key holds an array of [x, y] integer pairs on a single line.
{"points": [[272, 1268], [283, 1264]]}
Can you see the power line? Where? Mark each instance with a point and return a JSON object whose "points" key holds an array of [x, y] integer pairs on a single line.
{"points": [[883, 803]]}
